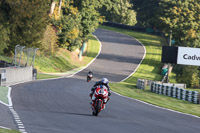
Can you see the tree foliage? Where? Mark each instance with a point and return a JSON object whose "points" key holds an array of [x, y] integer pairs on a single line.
{"points": [[119, 11], [146, 12], [49, 42], [26, 19], [4, 38], [188, 75], [77, 20], [183, 18]]}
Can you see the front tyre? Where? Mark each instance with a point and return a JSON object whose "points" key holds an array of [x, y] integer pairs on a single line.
{"points": [[98, 107]]}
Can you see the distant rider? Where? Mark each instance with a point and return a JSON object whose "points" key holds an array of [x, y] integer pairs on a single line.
{"points": [[89, 75]]}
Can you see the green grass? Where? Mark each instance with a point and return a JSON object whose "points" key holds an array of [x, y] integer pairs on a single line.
{"points": [[191, 89], [8, 131], [46, 76], [150, 69], [63, 60], [3, 94], [64, 63]]}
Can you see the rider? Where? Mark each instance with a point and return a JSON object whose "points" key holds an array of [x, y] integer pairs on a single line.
{"points": [[89, 75], [104, 82]]}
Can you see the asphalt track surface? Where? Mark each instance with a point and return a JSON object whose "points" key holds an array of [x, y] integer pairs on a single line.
{"points": [[6, 118], [62, 105]]}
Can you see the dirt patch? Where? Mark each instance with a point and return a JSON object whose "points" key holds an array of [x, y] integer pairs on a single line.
{"points": [[74, 55]]}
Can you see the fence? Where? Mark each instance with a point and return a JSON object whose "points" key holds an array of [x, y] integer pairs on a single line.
{"points": [[173, 91]]}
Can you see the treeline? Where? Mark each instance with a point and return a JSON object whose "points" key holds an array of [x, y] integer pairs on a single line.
{"points": [[182, 18], [53, 24]]}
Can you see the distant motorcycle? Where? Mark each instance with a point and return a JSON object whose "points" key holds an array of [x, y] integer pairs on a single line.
{"points": [[89, 76], [101, 95]]}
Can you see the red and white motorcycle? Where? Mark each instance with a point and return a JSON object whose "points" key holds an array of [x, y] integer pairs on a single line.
{"points": [[101, 97]]}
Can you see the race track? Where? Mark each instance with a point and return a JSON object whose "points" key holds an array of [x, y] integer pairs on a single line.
{"points": [[62, 105]]}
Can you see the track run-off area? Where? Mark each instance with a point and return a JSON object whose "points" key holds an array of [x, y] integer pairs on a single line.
{"points": [[62, 105]]}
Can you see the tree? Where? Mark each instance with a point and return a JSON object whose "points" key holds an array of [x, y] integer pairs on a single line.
{"points": [[89, 16], [119, 11], [188, 75], [4, 29], [68, 25], [27, 21], [182, 17], [78, 20], [146, 12], [4, 38]]}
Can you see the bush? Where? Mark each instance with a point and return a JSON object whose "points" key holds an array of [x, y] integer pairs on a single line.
{"points": [[188, 75], [4, 38], [49, 43]]}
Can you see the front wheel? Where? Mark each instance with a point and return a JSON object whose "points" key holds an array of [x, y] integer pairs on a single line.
{"points": [[98, 107]]}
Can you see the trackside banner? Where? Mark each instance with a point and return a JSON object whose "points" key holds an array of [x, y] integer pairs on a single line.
{"points": [[188, 56]]}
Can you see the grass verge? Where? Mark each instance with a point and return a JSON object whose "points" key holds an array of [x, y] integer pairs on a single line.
{"points": [[46, 76], [8, 131], [3, 94], [64, 60], [150, 69]]}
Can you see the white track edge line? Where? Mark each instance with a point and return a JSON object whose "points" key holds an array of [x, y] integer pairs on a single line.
{"points": [[3, 103], [9, 97], [14, 113], [5, 127]]}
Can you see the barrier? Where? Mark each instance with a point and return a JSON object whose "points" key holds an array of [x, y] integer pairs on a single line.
{"points": [[13, 75], [140, 84], [173, 91], [170, 90]]}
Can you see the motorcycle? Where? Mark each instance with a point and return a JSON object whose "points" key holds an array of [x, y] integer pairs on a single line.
{"points": [[89, 76], [101, 97]]}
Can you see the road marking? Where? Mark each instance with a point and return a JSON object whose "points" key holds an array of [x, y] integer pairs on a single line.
{"points": [[5, 127], [9, 97], [17, 119]]}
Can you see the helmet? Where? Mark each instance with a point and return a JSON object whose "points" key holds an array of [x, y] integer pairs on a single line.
{"points": [[104, 80]]}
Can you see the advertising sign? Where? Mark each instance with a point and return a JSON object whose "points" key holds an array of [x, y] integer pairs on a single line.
{"points": [[188, 56]]}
